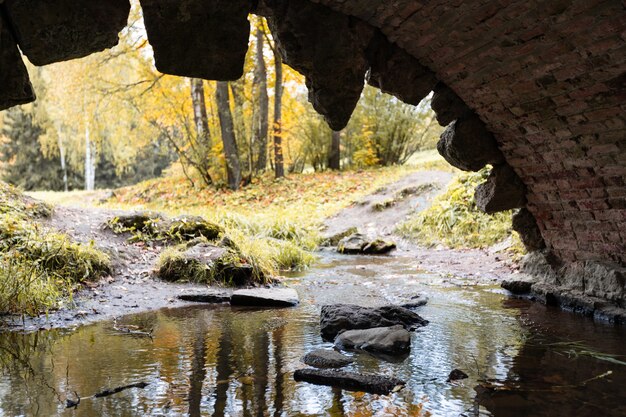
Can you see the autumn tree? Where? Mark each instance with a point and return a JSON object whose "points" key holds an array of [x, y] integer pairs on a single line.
{"points": [[261, 119], [233, 168]]}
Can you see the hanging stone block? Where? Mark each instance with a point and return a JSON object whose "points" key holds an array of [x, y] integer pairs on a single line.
{"points": [[525, 225], [468, 145], [503, 190], [198, 38], [395, 72], [15, 87], [447, 105], [328, 48], [50, 31]]}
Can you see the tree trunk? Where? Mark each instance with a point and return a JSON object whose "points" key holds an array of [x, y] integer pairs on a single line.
{"points": [[334, 154], [260, 80], [279, 169], [88, 159], [63, 165], [233, 169], [201, 122]]}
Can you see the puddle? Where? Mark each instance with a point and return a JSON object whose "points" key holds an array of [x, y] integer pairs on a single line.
{"points": [[223, 361]]}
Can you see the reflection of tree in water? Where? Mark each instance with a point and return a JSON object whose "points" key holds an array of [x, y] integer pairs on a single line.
{"points": [[198, 367], [250, 365], [25, 360], [549, 377]]}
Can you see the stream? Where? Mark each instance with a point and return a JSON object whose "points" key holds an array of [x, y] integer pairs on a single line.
{"points": [[522, 358]]}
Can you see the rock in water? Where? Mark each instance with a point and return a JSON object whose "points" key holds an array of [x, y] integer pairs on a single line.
{"points": [[394, 340], [321, 358], [456, 374], [205, 298], [265, 297], [351, 381], [352, 244], [337, 318], [416, 301], [358, 243], [517, 286], [379, 247]]}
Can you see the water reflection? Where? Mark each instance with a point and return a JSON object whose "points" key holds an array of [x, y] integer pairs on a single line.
{"points": [[222, 361]]}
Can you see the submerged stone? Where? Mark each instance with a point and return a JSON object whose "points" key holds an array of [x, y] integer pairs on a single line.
{"points": [[265, 297], [394, 340], [322, 358], [350, 381]]}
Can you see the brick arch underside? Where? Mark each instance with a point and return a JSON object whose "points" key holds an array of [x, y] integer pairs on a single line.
{"points": [[548, 79]]}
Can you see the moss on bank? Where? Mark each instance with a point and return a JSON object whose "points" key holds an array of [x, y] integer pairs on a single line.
{"points": [[39, 267], [454, 220]]}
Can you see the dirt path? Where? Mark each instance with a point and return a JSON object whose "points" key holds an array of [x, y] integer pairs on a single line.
{"points": [[407, 196], [132, 287]]}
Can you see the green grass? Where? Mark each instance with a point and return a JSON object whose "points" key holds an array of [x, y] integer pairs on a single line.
{"points": [[454, 220], [39, 267]]}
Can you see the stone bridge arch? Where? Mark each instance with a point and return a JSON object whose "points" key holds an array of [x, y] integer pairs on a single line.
{"points": [[535, 88]]}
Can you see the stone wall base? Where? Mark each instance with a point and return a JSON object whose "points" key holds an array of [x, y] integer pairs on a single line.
{"points": [[591, 288]]}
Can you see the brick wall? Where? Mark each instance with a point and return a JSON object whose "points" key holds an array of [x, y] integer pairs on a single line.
{"points": [[548, 78]]}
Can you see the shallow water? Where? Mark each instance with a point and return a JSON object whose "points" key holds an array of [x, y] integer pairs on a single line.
{"points": [[223, 361]]}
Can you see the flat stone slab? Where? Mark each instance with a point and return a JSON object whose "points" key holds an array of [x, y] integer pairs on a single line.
{"points": [[337, 318], [211, 298], [394, 340], [322, 358], [350, 381], [265, 297]]}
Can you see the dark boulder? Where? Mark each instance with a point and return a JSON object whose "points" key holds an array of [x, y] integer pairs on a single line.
{"points": [[468, 145], [352, 244], [394, 340], [396, 72], [503, 190], [333, 240], [378, 247], [322, 358], [525, 225], [198, 38], [53, 31], [328, 48], [447, 105], [456, 374], [16, 88], [337, 318], [517, 286], [358, 243], [350, 381]]}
